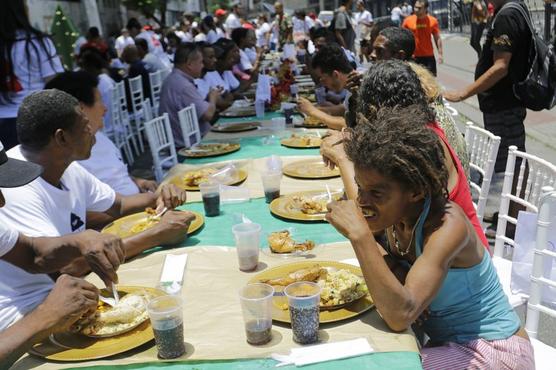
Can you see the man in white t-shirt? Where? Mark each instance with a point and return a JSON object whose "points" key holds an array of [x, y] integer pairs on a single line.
{"points": [[233, 20], [69, 298], [396, 15], [122, 41], [55, 133], [105, 162]]}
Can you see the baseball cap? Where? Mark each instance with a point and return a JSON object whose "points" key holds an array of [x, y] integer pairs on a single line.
{"points": [[14, 173], [219, 12]]}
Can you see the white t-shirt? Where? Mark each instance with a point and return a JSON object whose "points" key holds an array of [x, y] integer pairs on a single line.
{"points": [[261, 33], [153, 63], [200, 37], [212, 37], [227, 80], [40, 209], [8, 238], [362, 18], [232, 22], [210, 80], [30, 73], [155, 47], [244, 61], [106, 164], [396, 14], [122, 42], [185, 36]]}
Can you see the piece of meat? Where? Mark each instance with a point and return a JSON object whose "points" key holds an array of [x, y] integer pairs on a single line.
{"points": [[312, 273]]}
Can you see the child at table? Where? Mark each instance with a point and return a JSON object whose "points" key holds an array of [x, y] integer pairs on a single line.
{"points": [[434, 268]]}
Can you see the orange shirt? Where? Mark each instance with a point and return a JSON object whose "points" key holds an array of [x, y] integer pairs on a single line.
{"points": [[422, 29]]}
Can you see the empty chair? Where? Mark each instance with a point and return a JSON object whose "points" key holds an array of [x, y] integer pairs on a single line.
{"points": [[482, 147], [540, 279], [527, 193], [155, 79], [189, 126], [120, 132], [161, 142], [136, 98]]}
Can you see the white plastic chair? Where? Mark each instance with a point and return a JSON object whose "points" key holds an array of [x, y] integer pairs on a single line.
{"points": [[544, 354], [147, 109], [155, 79], [122, 134], [527, 193], [482, 147], [124, 114], [161, 142], [136, 95], [189, 125]]}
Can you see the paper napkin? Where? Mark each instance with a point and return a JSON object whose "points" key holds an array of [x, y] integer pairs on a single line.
{"points": [[324, 352], [171, 277]]}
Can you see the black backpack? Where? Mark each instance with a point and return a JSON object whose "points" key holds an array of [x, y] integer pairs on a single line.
{"points": [[538, 90]]}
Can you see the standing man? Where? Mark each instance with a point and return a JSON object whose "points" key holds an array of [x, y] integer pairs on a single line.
{"points": [[423, 26], [343, 27], [364, 22], [233, 21], [282, 27], [503, 62]]}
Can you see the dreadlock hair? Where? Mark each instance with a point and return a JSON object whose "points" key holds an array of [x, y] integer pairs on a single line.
{"points": [[14, 27], [397, 144], [391, 83]]}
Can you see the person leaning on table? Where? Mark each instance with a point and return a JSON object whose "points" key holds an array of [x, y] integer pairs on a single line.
{"points": [[433, 271], [70, 298]]}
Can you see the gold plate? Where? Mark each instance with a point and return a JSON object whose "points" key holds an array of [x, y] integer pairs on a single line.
{"points": [[78, 347], [297, 142], [305, 125], [347, 311], [177, 180], [235, 127], [310, 169], [236, 112], [210, 150], [283, 206], [122, 226]]}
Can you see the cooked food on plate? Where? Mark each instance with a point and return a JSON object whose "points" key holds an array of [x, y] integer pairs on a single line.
{"points": [[152, 219], [310, 206], [282, 242], [194, 178], [306, 140], [338, 287], [211, 148], [312, 121], [130, 311]]}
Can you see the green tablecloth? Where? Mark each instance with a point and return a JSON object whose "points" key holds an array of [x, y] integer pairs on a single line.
{"points": [[218, 230], [255, 147], [267, 116], [378, 361]]}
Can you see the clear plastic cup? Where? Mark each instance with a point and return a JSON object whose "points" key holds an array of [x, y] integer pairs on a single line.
{"points": [[211, 198], [166, 314], [303, 302], [278, 124], [256, 305], [271, 184], [247, 237], [259, 108]]}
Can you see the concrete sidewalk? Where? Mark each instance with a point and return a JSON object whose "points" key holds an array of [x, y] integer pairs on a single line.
{"points": [[458, 71]]}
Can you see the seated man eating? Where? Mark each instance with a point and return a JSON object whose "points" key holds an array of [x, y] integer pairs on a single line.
{"points": [[54, 132]]}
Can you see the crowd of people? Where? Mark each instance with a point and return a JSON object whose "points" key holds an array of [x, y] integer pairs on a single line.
{"points": [[404, 164]]}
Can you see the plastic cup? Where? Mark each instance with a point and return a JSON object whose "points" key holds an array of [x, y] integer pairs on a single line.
{"points": [[211, 198], [256, 305], [303, 302], [166, 314], [259, 108], [247, 237], [278, 124], [271, 185]]}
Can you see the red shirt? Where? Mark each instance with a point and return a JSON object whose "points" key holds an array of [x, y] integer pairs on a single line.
{"points": [[422, 29], [461, 194]]}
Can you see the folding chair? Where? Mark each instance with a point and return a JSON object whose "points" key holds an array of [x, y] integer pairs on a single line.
{"points": [[155, 79], [189, 126], [544, 354], [527, 193], [136, 95], [161, 142], [482, 147]]}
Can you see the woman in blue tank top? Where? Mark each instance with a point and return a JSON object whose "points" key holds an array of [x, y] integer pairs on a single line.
{"points": [[433, 268]]}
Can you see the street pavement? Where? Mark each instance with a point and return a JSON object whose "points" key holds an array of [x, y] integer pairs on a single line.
{"points": [[456, 72]]}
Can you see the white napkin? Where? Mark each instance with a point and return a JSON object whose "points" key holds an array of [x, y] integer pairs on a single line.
{"points": [[324, 352], [171, 277], [351, 261], [263, 88]]}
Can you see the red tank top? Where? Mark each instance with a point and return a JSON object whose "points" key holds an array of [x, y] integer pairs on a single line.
{"points": [[460, 194]]}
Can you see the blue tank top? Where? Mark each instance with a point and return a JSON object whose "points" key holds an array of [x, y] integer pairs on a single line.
{"points": [[470, 303]]}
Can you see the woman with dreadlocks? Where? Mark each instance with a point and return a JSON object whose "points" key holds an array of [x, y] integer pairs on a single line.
{"points": [[27, 61], [402, 188], [393, 83]]}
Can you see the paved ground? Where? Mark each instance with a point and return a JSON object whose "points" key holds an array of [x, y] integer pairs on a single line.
{"points": [[457, 72]]}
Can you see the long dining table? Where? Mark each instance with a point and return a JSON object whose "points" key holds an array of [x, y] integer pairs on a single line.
{"points": [[213, 324]]}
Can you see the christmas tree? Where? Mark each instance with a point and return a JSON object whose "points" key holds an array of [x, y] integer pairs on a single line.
{"points": [[64, 35]]}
